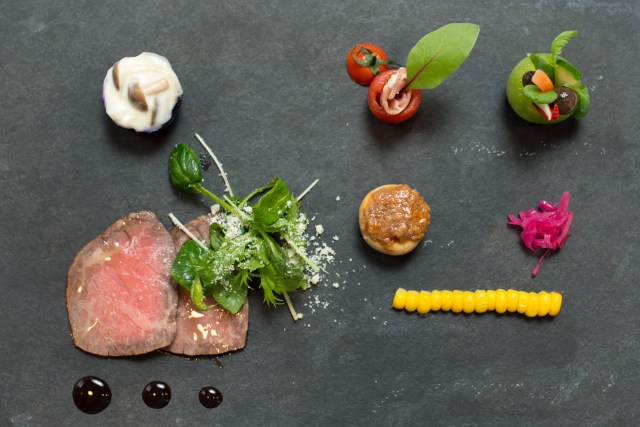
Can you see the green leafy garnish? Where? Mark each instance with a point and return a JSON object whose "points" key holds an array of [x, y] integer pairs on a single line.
{"points": [[542, 63], [535, 95], [438, 54], [583, 105], [560, 42], [264, 241], [184, 169]]}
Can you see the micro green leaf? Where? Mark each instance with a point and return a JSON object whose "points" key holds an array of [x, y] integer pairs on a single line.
{"points": [[438, 54], [271, 206], [583, 105], [560, 42], [216, 234], [197, 295], [232, 296], [190, 261], [184, 169]]}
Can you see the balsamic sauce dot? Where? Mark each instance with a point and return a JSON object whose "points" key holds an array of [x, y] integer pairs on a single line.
{"points": [[156, 394], [91, 395], [210, 397]]}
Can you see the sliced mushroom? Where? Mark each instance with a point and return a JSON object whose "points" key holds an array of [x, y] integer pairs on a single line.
{"points": [[154, 112], [115, 75], [137, 98], [156, 87]]}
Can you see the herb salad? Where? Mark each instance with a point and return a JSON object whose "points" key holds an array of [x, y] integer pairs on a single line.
{"points": [[265, 240]]}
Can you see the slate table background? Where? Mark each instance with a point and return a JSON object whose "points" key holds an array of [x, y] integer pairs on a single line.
{"points": [[265, 85]]}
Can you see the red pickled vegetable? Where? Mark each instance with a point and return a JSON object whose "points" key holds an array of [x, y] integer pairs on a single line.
{"points": [[547, 228]]}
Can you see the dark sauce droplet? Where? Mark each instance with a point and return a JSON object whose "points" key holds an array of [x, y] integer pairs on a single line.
{"points": [[91, 395], [156, 394], [210, 397]]}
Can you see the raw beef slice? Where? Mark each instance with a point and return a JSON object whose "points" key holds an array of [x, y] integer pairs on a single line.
{"points": [[120, 298], [209, 332]]}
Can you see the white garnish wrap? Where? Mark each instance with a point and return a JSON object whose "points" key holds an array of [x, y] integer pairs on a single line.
{"points": [[389, 99], [152, 72]]}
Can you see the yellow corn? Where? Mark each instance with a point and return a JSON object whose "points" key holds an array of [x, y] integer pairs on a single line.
{"points": [[531, 304]]}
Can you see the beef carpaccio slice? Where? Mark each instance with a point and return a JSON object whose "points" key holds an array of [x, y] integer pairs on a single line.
{"points": [[120, 297], [209, 332]]}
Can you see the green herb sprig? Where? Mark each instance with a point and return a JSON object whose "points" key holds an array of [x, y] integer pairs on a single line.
{"points": [[263, 241]]}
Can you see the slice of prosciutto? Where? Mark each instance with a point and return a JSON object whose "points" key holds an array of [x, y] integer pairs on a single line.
{"points": [[121, 300], [209, 332]]}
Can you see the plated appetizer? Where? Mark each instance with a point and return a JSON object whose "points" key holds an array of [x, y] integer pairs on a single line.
{"points": [[395, 94], [545, 88], [393, 219], [142, 93]]}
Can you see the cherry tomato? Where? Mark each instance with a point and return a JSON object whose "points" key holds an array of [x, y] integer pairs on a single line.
{"points": [[365, 61], [375, 89]]}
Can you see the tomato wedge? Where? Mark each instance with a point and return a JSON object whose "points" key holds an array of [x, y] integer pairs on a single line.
{"points": [[375, 90]]}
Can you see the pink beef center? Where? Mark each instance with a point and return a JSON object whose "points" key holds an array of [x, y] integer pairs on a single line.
{"points": [[130, 289]]}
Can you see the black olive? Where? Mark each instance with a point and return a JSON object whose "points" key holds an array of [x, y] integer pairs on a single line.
{"points": [[156, 394], [567, 100], [91, 395], [210, 397], [526, 78]]}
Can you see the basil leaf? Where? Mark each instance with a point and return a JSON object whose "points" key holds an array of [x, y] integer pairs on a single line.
{"points": [[541, 62], [190, 261], [438, 54], [532, 92], [197, 295], [232, 296], [216, 235], [560, 42], [273, 205], [184, 169]]}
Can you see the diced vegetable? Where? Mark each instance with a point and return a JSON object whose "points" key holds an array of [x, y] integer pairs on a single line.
{"points": [[542, 80]]}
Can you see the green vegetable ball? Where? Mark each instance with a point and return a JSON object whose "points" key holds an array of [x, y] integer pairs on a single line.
{"points": [[519, 102]]}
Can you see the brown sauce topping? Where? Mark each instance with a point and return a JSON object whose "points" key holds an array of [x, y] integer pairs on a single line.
{"points": [[395, 213]]}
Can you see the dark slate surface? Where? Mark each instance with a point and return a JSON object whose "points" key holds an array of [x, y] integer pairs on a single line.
{"points": [[265, 84]]}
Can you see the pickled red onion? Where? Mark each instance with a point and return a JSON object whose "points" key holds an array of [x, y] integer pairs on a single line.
{"points": [[547, 228]]}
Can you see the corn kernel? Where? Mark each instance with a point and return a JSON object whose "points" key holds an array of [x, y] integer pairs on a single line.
{"points": [[501, 301], [556, 303], [523, 301], [491, 300], [481, 302], [512, 300], [532, 307], [447, 300], [412, 301], [544, 303], [424, 302], [399, 299], [456, 306]]}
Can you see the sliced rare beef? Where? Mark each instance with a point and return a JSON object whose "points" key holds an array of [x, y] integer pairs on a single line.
{"points": [[209, 332], [120, 298]]}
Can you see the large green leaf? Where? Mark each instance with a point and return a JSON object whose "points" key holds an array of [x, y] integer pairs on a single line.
{"points": [[438, 54]]}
